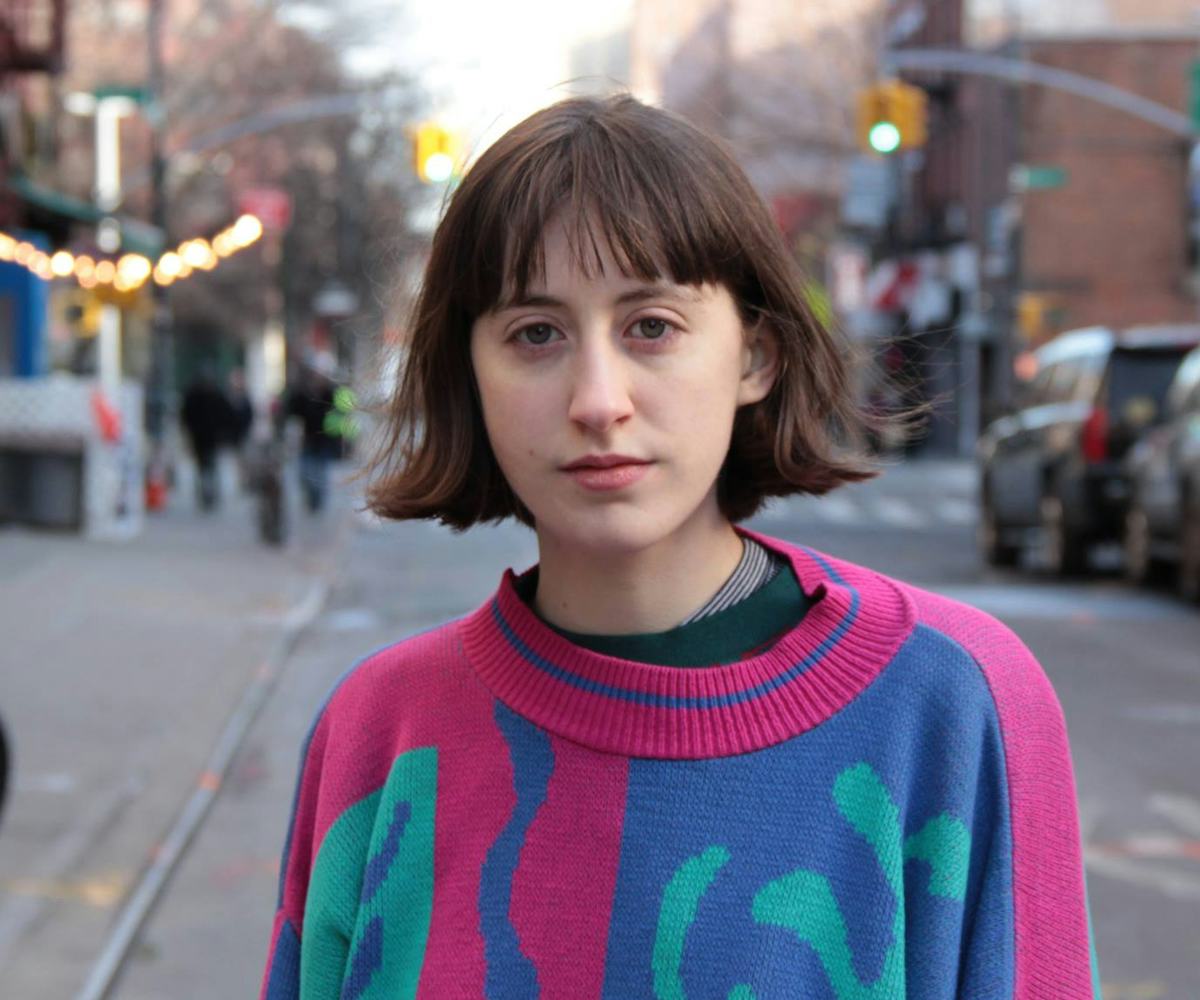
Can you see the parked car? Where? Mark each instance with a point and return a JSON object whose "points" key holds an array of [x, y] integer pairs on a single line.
{"points": [[1162, 522], [1051, 472]]}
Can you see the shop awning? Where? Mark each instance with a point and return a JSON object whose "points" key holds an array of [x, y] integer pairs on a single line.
{"points": [[136, 236]]}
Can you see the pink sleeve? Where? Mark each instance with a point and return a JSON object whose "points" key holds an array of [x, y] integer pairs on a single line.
{"points": [[1052, 949]]}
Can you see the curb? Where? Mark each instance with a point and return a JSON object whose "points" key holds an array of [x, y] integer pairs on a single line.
{"points": [[170, 851]]}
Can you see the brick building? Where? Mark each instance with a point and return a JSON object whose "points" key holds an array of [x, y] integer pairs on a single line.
{"points": [[1108, 246], [1066, 212]]}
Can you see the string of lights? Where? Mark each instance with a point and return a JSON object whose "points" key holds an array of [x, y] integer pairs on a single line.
{"points": [[131, 271]]}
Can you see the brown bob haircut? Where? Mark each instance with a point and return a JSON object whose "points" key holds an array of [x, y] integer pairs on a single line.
{"points": [[665, 197]]}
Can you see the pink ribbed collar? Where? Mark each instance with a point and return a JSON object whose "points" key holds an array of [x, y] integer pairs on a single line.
{"points": [[857, 622]]}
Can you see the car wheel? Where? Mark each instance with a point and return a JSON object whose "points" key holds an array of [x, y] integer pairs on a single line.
{"points": [[993, 548], [1063, 552], [1189, 554]]}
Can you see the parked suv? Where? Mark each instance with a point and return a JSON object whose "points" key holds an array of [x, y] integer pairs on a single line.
{"points": [[1162, 523], [1052, 471]]}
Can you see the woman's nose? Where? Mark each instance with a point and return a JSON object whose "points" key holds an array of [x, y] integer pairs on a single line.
{"points": [[600, 394]]}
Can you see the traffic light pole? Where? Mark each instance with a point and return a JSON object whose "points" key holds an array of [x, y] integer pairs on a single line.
{"points": [[1022, 71]]}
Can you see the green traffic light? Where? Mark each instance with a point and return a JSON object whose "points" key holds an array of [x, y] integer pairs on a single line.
{"points": [[884, 137]]}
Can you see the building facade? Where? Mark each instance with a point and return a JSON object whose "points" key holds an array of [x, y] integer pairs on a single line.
{"points": [[1033, 210]]}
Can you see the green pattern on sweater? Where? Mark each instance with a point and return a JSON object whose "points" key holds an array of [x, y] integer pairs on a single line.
{"points": [[370, 899], [804, 902], [677, 913]]}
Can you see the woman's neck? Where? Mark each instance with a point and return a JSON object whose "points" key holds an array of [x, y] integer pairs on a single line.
{"points": [[630, 593]]}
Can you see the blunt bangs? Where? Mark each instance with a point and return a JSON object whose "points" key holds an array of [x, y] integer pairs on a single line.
{"points": [[623, 175]]}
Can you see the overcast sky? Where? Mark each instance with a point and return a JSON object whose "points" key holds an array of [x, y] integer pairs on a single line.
{"points": [[485, 64]]}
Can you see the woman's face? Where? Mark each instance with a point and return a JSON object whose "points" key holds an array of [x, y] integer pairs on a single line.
{"points": [[609, 402]]}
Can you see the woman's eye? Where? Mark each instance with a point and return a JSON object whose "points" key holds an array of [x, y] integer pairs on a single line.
{"points": [[651, 328], [537, 335]]}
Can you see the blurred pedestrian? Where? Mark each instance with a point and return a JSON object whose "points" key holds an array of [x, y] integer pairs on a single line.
{"points": [[208, 418], [676, 757], [313, 402]]}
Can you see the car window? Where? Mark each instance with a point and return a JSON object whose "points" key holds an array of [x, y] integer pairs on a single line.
{"points": [[1062, 383], [1037, 390], [1138, 382], [1091, 371], [1184, 393]]}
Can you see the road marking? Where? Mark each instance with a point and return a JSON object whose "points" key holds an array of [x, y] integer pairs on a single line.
{"points": [[952, 510], [1150, 845], [58, 783], [19, 912], [1081, 604], [350, 620], [1145, 873], [898, 513], [1181, 810], [102, 892]]}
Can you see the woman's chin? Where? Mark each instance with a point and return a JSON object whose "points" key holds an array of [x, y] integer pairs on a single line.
{"points": [[611, 531]]}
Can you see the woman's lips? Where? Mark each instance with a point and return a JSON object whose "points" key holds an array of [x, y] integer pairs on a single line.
{"points": [[613, 477]]}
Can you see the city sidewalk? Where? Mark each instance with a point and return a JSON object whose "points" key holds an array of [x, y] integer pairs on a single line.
{"points": [[122, 663]]}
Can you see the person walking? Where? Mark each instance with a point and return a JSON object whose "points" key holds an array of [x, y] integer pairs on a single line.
{"points": [[313, 402], [207, 418], [675, 758]]}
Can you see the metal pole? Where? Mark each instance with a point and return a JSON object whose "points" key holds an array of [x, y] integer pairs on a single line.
{"points": [[159, 402], [108, 197]]}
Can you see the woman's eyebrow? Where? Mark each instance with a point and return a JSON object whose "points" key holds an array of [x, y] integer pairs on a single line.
{"points": [[641, 293], [680, 293]]}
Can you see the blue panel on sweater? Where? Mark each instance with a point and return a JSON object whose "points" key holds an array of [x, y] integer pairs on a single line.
{"points": [[924, 740], [284, 983]]}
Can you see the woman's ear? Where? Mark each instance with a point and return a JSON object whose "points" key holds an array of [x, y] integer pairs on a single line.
{"points": [[760, 363]]}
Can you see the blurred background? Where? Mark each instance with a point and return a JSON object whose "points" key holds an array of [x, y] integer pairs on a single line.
{"points": [[213, 218]]}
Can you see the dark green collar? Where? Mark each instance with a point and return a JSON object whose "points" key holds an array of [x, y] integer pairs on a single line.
{"points": [[725, 637]]}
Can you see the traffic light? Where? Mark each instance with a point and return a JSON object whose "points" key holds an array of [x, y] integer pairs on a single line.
{"points": [[435, 153], [892, 116]]}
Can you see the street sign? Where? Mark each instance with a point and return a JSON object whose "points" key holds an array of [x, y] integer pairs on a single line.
{"points": [[1023, 178], [869, 192], [272, 206], [139, 95]]}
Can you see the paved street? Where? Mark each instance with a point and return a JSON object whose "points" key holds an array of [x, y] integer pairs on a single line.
{"points": [[1124, 664], [121, 664]]}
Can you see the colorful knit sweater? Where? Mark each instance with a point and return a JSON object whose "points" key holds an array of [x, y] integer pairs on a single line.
{"points": [[880, 805]]}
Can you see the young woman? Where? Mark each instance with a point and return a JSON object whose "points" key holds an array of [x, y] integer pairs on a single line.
{"points": [[675, 759]]}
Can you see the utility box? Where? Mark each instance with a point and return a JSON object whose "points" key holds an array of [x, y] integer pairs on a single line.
{"points": [[70, 459], [43, 489]]}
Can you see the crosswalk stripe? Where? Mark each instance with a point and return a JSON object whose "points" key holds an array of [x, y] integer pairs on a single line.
{"points": [[953, 510], [837, 509], [1184, 812], [867, 511], [899, 513]]}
